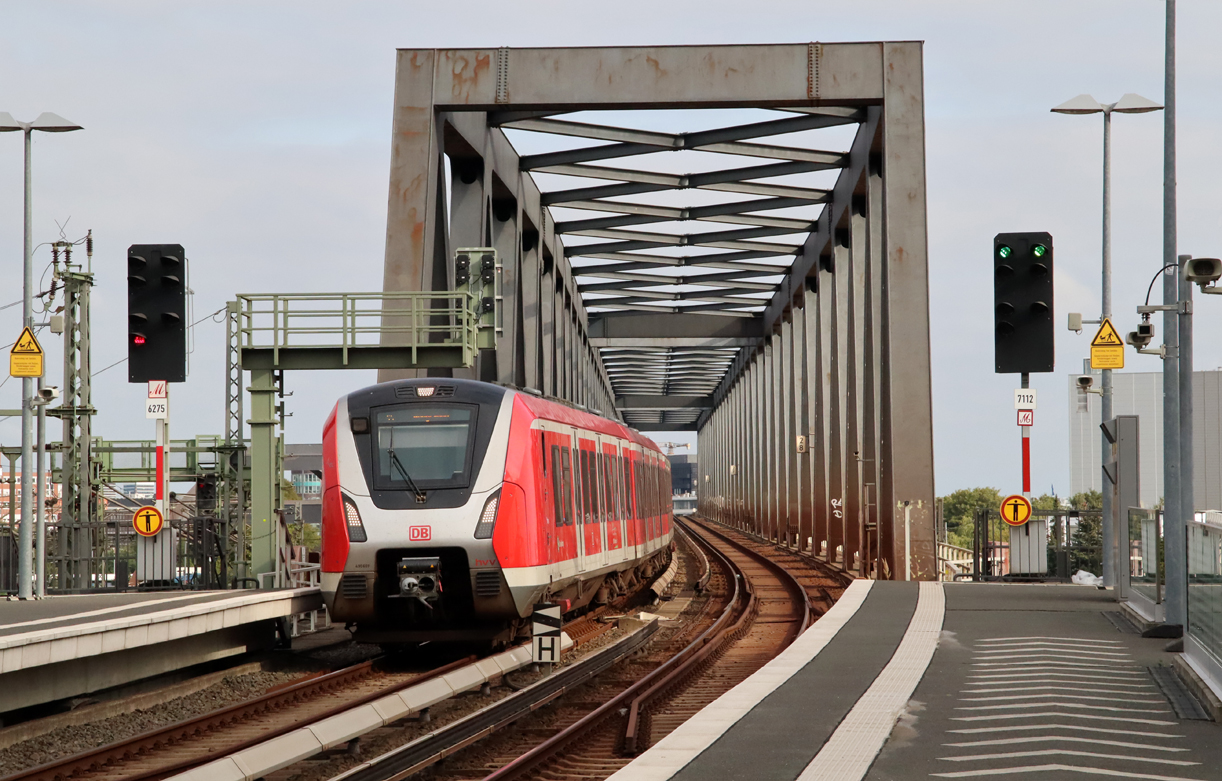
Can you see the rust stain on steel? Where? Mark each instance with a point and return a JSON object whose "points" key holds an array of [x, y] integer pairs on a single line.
{"points": [[420, 59], [467, 68], [658, 70]]}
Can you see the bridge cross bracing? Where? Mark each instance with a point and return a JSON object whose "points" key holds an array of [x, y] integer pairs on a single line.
{"points": [[729, 239]]}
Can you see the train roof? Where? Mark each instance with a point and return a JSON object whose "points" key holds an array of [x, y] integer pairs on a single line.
{"points": [[537, 404]]}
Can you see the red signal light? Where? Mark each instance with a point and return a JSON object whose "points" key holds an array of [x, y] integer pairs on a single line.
{"points": [[138, 339]]}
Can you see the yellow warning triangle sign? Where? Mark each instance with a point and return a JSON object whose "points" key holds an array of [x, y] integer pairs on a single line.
{"points": [[26, 357], [1107, 336], [27, 344]]}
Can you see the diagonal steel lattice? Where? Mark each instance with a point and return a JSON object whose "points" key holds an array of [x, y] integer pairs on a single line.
{"points": [[729, 239], [649, 234]]}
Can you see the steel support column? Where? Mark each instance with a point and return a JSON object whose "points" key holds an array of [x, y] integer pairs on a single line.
{"points": [[264, 479]]}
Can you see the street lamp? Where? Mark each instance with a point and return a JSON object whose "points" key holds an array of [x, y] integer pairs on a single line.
{"points": [[1129, 104], [48, 123]]}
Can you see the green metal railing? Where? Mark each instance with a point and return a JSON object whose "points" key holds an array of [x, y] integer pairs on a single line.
{"points": [[349, 322]]}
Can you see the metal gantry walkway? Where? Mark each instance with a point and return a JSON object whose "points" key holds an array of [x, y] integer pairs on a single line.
{"points": [[729, 239]]}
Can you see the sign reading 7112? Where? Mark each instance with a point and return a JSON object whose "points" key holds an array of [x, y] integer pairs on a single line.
{"points": [[1024, 398]]}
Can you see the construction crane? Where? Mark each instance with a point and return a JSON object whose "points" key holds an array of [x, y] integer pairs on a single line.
{"points": [[670, 446]]}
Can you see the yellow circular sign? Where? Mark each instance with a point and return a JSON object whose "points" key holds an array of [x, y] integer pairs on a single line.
{"points": [[147, 521], [1015, 510]]}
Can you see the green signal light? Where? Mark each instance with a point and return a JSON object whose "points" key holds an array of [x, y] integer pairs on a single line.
{"points": [[1039, 250], [1004, 251]]}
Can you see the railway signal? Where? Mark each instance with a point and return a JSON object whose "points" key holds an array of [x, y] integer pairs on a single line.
{"points": [[156, 313], [1023, 303]]}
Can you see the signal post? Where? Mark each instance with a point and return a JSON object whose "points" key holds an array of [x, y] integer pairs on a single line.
{"points": [[1024, 343], [157, 356]]}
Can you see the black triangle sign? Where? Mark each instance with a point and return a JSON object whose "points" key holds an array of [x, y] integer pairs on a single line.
{"points": [[1107, 336]]}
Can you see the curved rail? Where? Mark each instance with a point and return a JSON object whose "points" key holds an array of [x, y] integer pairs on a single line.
{"points": [[692, 664], [707, 640]]}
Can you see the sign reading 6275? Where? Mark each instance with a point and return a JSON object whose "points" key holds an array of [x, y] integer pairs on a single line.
{"points": [[157, 408]]}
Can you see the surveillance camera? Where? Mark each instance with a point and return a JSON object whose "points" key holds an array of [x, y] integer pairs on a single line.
{"points": [[1085, 381], [1203, 271], [1142, 336], [49, 393]]}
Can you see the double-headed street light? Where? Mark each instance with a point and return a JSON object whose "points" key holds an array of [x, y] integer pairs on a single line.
{"points": [[48, 123], [1129, 104]]}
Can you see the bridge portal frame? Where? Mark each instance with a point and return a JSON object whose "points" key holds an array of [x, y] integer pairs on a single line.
{"points": [[841, 352]]}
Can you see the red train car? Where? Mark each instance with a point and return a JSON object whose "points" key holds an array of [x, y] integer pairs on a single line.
{"points": [[451, 507]]}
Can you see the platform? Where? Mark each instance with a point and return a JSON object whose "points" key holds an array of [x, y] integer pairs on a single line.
{"points": [[66, 646], [905, 681]]}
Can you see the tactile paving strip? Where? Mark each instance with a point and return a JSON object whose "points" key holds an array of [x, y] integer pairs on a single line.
{"points": [[851, 750]]}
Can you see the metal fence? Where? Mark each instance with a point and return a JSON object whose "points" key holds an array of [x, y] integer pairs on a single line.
{"points": [[1062, 542], [190, 553]]}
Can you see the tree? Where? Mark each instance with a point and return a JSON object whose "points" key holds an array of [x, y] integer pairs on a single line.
{"points": [[1087, 500], [306, 534], [959, 511]]}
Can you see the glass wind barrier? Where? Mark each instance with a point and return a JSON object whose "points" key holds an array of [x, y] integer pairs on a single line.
{"points": [[1145, 555], [1205, 581]]}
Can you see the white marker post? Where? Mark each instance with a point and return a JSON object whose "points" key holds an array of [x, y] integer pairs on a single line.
{"points": [[158, 408], [1024, 400], [545, 631]]}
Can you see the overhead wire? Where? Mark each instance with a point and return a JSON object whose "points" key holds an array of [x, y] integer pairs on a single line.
{"points": [[210, 316]]}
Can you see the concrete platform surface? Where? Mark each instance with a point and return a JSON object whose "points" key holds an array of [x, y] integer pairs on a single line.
{"points": [[903, 681], [66, 646], [20, 616]]}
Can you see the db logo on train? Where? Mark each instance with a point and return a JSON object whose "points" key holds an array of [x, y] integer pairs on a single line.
{"points": [[419, 533]]}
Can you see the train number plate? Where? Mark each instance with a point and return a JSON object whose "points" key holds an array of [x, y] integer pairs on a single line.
{"points": [[419, 533]]}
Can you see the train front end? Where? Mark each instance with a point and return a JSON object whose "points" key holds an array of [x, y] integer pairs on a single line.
{"points": [[412, 477]]}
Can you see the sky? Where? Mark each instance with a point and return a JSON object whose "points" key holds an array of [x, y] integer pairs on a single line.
{"points": [[257, 135]]}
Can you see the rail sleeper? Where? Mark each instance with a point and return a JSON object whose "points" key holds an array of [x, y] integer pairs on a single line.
{"points": [[277, 753]]}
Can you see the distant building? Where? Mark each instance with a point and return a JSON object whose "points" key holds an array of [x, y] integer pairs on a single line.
{"points": [[1141, 394], [683, 468], [53, 491], [303, 463]]}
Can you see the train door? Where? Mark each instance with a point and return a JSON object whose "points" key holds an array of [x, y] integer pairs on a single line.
{"points": [[613, 506], [636, 485], [563, 540], [591, 533], [546, 527], [572, 479]]}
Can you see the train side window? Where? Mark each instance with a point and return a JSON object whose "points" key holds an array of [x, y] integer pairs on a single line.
{"points": [[628, 508], [566, 480], [592, 481], [635, 467], [556, 493], [649, 487], [617, 486], [608, 482], [583, 516]]}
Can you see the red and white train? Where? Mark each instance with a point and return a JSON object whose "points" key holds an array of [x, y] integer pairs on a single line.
{"points": [[451, 507]]}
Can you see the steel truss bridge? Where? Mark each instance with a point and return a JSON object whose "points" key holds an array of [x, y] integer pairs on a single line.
{"points": [[727, 239]]}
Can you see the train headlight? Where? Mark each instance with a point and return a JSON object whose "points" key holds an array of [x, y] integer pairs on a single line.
{"points": [[356, 529], [487, 518]]}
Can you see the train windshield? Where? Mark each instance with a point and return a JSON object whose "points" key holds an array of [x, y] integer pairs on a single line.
{"points": [[426, 445]]}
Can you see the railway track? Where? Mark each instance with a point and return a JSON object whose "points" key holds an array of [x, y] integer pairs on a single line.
{"points": [[178, 747], [755, 608], [587, 720], [185, 744], [770, 609]]}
